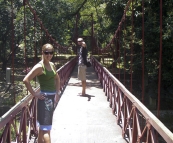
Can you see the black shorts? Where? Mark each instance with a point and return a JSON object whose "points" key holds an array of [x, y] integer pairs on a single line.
{"points": [[45, 109]]}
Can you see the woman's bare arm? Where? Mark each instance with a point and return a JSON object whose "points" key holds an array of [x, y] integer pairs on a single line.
{"points": [[35, 71]]}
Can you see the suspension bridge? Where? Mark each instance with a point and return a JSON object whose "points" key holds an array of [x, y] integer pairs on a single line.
{"points": [[112, 110]]}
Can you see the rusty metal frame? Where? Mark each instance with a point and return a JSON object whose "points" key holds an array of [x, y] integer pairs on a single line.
{"points": [[25, 112], [137, 122]]}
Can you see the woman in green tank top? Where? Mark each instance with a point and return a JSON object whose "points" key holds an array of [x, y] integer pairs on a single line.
{"points": [[49, 91]]}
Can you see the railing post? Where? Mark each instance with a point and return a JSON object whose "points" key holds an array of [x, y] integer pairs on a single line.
{"points": [[9, 133], [24, 137]]}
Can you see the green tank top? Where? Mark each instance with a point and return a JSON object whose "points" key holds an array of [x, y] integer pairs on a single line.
{"points": [[47, 79]]}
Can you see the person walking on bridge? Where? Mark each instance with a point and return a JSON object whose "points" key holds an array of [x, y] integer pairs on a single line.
{"points": [[49, 93], [82, 64]]}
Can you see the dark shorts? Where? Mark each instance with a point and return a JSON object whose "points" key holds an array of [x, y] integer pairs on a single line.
{"points": [[45, 109]]}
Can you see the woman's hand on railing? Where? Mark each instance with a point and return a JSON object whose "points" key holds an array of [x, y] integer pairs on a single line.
{"points": [[40, 96]]}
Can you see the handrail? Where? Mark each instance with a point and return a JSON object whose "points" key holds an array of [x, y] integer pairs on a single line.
{"points": [[15, 109], [22, 117], [137, 122]]}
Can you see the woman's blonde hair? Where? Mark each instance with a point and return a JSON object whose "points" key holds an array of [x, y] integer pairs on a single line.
{"points": [[47, 47]]}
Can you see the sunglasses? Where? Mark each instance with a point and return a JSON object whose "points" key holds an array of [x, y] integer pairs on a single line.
{"points": [[46, 53]]}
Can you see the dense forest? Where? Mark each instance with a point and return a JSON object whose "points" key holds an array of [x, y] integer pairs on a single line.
{"points": [[59, 18]]}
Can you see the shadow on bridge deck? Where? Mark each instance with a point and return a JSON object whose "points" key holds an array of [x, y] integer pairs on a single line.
{"points": [[86, 119]]}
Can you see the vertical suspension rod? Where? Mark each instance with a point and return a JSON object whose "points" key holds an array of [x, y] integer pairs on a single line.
{"points": [[124, 49], [131, 69], [119, 34], [160, 61], [143, 69], [76, 31], [41, 39], [24, 32], [12, 48], [35, 50], [117, 53]]}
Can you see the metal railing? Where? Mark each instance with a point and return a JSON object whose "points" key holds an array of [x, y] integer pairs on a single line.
{"points": [[19, 124], [137, 122]]}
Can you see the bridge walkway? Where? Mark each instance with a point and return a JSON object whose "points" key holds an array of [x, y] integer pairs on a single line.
{"points": [[87, 119]]}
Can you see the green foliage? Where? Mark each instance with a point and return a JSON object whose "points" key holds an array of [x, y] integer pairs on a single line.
{"points": [[5, 27], [59, 18]]}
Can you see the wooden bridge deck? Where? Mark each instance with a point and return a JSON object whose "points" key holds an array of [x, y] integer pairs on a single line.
{"points": [[86, 119]]}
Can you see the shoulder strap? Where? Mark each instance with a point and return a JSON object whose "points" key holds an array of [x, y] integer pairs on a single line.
{"points": [[42, 66], [52, 66]]}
